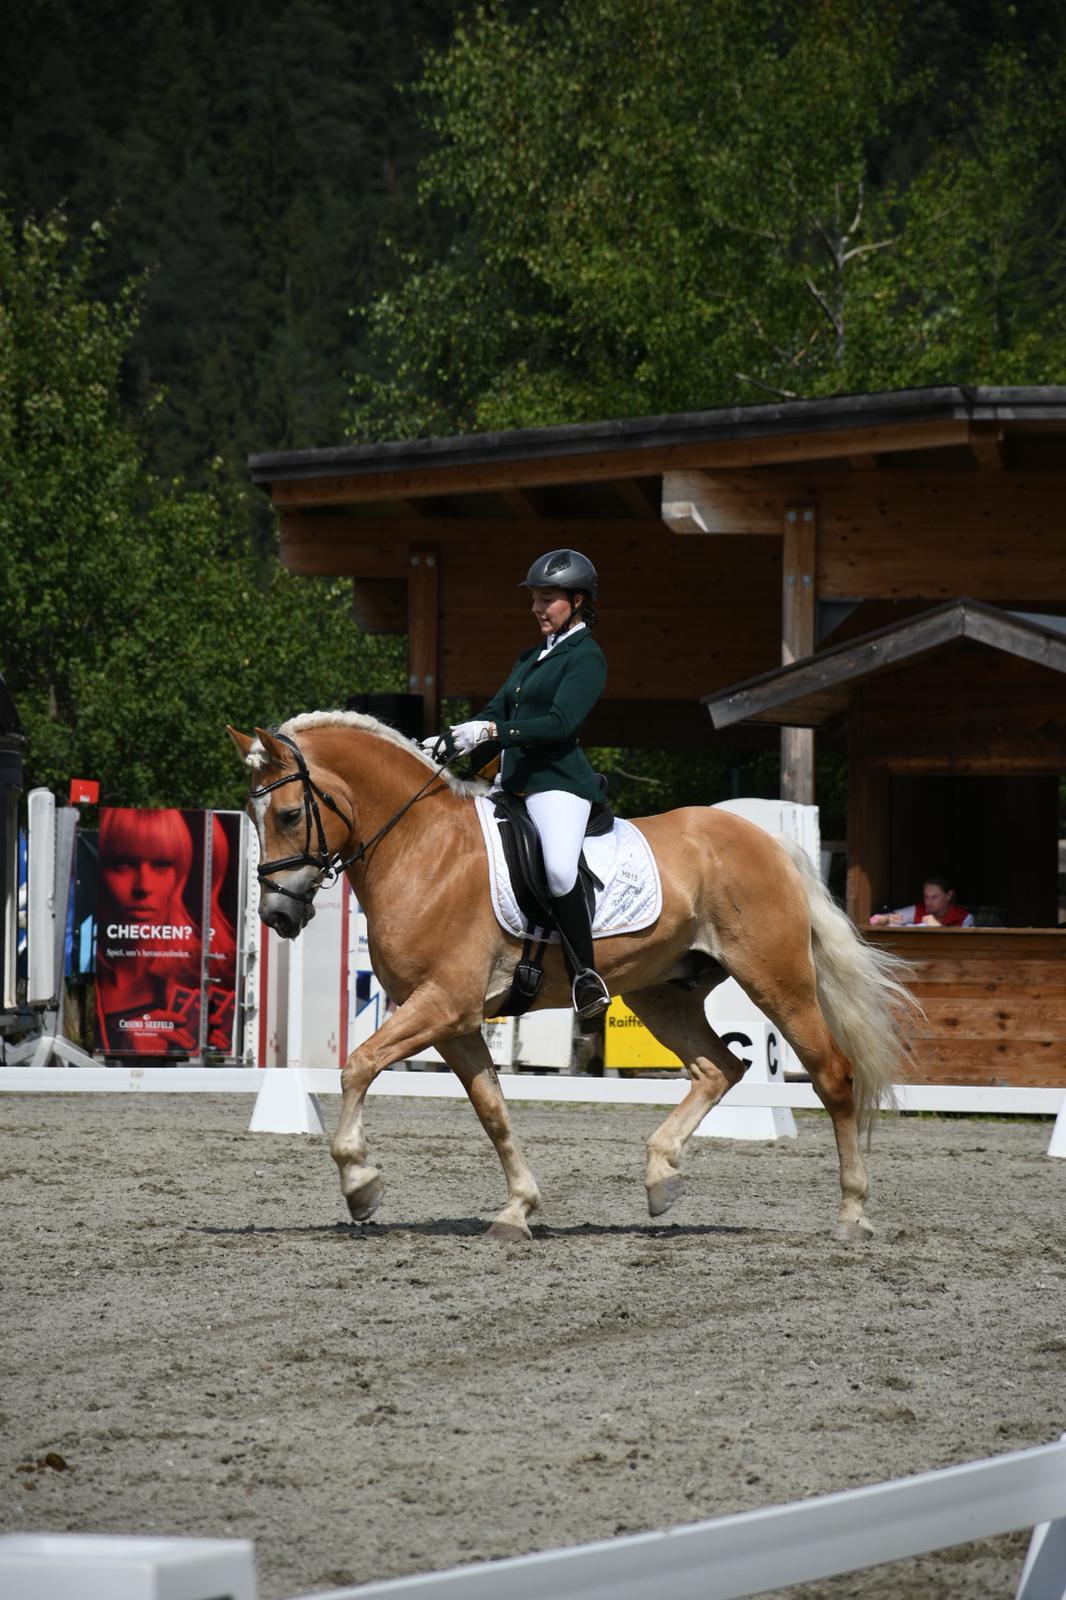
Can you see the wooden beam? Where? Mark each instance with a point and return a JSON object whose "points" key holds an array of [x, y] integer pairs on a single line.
{"points": [[376, 547], [423, 631], [604, 465], [518, 501], [728, 502], [1003, 686], [641, 495], [823, 681], [986, 445], [884, 535], [797, 765], [685, 516], [797, 642], [331, 556], [869, 842], [996, 536], [867, 463], [798, 582]]}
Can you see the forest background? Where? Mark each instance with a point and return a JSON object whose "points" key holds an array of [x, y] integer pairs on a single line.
{"points": [[231, 229]]}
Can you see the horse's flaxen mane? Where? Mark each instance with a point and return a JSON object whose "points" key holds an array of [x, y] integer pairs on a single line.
{"points": [[366, 724]]}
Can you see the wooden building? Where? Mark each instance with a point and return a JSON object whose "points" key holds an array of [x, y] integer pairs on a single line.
{"points": [[956, 742], [731, 542]]}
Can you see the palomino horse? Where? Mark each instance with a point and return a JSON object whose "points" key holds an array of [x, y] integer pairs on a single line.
{"points": [[336, 790]]}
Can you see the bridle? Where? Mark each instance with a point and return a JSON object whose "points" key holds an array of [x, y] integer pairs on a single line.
{"points": [[327, 863]]}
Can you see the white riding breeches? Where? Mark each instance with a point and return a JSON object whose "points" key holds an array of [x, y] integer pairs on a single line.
{"points": [[560, 820]]}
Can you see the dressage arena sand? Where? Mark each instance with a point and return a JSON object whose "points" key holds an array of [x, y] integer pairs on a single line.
{"points": [[191, 1328]]}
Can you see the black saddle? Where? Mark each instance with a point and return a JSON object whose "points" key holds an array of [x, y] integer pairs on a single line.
{"points": [[525, 864]]}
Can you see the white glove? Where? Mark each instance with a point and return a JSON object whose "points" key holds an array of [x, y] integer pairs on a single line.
{"points": [[430, 744], [468, 735]]}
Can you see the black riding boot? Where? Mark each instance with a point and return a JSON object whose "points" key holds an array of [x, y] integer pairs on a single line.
{"points": [[591, 996]]}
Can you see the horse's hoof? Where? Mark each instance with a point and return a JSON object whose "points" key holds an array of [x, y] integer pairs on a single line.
{"points": [[852, 1232], [362, 1203], [664, 1193], [508, 1233]]}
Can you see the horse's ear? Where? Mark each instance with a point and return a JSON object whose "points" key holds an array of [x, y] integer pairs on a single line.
{"points": [[243, 741], [276, 753]]}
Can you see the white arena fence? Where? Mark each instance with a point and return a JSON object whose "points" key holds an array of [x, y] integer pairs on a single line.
{"points": [[728, 1558], [287, 1097]]}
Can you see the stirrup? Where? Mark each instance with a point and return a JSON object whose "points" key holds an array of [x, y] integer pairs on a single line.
{"points": [[595, 998]]}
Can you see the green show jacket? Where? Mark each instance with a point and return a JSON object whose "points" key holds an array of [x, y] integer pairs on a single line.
{"points": [[539, 712]]}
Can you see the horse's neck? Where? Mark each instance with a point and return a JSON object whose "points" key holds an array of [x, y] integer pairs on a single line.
{"points": [[381, 778]]}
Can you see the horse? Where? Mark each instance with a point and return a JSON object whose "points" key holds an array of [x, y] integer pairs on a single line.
{"points": [[340, 791]]}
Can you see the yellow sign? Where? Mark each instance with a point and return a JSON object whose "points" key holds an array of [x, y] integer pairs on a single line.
{"points": [[629, 1047]]}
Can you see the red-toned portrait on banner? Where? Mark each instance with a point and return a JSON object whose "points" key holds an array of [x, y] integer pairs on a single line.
{"points": [[148, 946], [222, 943]]}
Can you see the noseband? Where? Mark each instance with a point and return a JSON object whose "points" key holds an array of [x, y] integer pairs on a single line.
{"points": [[327, 863]]}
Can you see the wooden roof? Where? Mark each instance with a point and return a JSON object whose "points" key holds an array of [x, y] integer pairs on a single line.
{"points": [[982, 424], [811, 692], [912, 495]]}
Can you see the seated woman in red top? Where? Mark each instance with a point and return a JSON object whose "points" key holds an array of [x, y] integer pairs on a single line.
{"points": [[936, 909]]}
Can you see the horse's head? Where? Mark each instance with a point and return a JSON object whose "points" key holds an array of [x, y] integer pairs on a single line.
{"points": [[302, 829]]}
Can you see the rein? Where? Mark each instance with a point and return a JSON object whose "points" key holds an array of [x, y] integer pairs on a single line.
{"points": [[327, 863]]}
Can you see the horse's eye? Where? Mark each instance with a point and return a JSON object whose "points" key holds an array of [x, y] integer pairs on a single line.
{"points": [[289, 818]]}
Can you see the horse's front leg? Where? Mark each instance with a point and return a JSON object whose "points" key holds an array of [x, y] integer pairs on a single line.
{"points": [[415, 1024], [471, 1062]]}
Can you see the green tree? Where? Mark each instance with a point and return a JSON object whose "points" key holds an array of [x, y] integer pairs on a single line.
{"points": [[975, 289], [135, 618], [250, 157], [672, 206]]}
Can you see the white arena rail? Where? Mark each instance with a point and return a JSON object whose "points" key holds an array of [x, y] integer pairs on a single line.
{"points": [[725, 1559], [971, 1100], [286, 1096]]}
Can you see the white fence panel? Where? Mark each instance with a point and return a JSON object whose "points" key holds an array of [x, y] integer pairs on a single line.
{"points": [[733, 1557]]}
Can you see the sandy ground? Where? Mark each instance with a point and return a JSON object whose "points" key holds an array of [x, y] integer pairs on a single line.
{"points": [[203, 1346]]}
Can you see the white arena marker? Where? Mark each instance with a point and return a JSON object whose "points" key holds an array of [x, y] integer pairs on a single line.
{"points": [[101, 1566], [1057, 1147], [283, 1104]]}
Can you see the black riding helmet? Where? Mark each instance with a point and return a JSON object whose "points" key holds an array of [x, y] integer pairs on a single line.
{"points": [[562, 569]]}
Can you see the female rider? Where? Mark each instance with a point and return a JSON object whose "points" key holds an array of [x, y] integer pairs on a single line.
{"points": [[536, 717]]}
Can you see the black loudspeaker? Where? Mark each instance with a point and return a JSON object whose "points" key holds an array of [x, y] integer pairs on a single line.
{"points": [[403, 712]]}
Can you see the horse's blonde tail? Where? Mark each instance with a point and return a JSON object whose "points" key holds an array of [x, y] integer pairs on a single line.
{"points": [[861, 993]]}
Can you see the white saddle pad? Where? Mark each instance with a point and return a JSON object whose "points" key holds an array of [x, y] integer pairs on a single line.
{"points": [[632, 894]]}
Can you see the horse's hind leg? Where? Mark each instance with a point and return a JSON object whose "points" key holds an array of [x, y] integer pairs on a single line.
{"points": [[791, 1002], [833, 1081], [678, 1020], [469, 1058]]}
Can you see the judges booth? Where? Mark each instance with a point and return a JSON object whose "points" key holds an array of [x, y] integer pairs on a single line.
{"points": [[955, 727]]}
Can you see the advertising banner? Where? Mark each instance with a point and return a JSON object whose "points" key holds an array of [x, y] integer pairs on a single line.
{"points": [[148, 935], [160, 877]]}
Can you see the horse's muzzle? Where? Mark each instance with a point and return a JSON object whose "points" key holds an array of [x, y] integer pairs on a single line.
{"points": [[286, 917]]}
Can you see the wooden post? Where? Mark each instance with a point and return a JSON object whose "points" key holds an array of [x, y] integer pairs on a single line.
{"points": [[869, 843], [797, 640], [423, 632]]}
